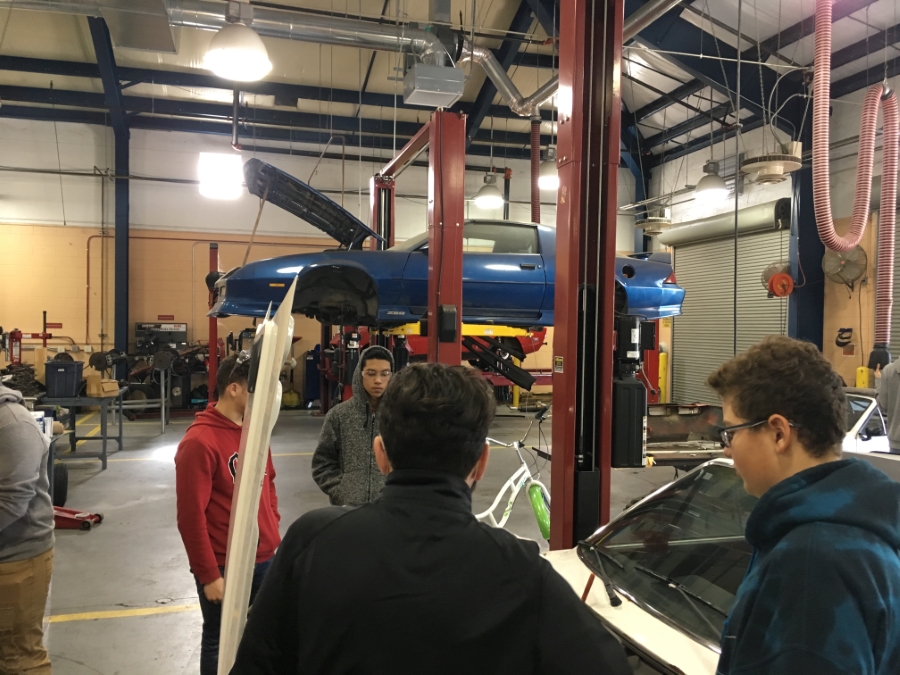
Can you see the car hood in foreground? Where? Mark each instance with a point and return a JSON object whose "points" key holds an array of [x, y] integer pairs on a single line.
{"points": [[671, 649]]}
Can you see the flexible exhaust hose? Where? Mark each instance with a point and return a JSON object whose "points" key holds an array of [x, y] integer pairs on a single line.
{"points": [[535, 170], [877, 94]]}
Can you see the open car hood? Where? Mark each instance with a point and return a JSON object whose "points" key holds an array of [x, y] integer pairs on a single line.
{"points": [[301, 200]]}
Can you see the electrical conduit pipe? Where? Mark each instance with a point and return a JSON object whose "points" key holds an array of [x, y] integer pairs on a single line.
{"points": [[821, 178]]}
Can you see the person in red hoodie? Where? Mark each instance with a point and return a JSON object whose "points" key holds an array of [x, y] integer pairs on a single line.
{"points": [[205, 470]]}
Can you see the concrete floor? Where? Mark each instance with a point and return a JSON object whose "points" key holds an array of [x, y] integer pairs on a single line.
{"points": [[122, 599]]}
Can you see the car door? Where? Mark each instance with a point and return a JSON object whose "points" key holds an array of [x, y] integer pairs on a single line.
{"points": [[503, 272]]}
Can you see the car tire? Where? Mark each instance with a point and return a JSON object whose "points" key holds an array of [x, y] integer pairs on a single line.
{"points": [[60, 484]]}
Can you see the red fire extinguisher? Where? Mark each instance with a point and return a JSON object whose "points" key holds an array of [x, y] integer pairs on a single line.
{"points": [[15, 346]]}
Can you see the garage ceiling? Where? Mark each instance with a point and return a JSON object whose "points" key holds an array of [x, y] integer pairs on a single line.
{"points": [[673, 98]]}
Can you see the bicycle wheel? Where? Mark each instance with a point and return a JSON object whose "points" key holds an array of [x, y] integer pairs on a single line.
{"points": [[541, 509]]}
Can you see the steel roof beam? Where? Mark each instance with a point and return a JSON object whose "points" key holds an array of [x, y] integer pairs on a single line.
{"points": [[689, 125], [723, 134], [788, 36], [677, 35], [866, 78], [259, 133], [254, 116], [202, 81], [801, 29]]}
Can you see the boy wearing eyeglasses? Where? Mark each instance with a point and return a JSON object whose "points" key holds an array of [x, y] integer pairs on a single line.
{"points": [[205, 472], [821, 592], [343, 464]]}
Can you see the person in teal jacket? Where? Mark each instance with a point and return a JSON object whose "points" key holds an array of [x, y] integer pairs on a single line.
{"points": [[822, 592]]}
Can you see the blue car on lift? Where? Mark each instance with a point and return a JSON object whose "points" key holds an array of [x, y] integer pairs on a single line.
{"points": [[508, 270]]}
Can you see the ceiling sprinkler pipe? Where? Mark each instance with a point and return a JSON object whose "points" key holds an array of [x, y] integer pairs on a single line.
{"points": [[822, 176]]}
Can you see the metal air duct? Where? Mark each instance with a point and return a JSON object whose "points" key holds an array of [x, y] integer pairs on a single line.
{"points": [[760, 218], [277, 23], [526, 106]]}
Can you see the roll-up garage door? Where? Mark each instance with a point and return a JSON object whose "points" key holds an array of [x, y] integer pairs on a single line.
{"points": [[703, 335]]}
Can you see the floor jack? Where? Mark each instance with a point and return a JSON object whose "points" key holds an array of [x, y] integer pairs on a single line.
{"points": [[70, 519]]}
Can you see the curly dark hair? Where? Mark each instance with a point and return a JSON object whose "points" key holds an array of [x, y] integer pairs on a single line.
{"points": [[436, 418], [231, 371], [782, 376]]}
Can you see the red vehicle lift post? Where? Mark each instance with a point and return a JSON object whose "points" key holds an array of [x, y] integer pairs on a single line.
{"points": [[588, 158], [445, 137]]}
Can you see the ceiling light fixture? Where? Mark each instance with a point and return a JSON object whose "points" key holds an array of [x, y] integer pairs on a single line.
{"points": [[221, 175], [237, 52], [489, 196], [549, 177], [711, 188]]}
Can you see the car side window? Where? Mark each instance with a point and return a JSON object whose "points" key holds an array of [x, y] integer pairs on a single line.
{"points": [[499, 238]]}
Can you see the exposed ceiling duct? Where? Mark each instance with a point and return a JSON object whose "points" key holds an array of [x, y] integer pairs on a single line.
{"points": [[527, 106], [296, 25], [276, 23], [759, 218]]}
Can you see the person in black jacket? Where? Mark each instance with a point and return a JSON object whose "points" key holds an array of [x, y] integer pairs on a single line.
{"points": [[412, 582]]}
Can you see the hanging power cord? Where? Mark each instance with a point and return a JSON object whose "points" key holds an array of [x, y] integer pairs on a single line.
{"points": [[62, 196], [737, 176]]}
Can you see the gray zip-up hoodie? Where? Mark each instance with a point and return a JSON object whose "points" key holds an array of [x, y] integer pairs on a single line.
{"points": [[343, 464], [26, 513], [889, 400]]}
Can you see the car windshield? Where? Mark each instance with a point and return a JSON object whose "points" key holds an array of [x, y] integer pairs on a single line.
{"points": [[856, 406], [682, 554]]}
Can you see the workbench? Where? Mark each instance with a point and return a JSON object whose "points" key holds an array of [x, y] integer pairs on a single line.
{"points": [[103, 402]]}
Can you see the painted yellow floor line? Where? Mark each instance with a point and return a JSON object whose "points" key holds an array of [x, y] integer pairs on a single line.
{"points": [[92, 432], [124, 613], [85, 418]]}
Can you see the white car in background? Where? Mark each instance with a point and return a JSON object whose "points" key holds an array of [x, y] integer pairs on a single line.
{"points": [[675, 559], [866, 423]]}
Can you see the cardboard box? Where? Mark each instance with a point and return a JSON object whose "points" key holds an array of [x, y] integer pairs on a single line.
{"points": [[94, 380], [109, 387]]}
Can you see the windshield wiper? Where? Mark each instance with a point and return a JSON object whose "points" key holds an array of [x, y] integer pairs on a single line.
{"points": [[614, 598], [687, 594]]}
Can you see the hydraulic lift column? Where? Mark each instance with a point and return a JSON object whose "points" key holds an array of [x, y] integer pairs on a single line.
{"points": [[446, 215], [589, 101]]}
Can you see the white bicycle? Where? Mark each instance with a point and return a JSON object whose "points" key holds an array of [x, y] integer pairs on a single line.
{"points": [[538, 494]]}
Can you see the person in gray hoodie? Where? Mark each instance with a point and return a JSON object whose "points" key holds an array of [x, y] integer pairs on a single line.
{"points": [[343, 464], [887, 382], [26, 538]]}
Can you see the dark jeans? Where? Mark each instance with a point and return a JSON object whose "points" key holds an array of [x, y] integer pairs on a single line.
{"points": [[212, 620]]}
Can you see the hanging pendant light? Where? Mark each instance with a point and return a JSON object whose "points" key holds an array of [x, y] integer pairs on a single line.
{"points": [[489, 196], [549, 177], [711, 188], [237, 53]]}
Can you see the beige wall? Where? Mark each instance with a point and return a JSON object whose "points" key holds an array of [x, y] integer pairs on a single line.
{"points": [[46, 268], [856, 309]]}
